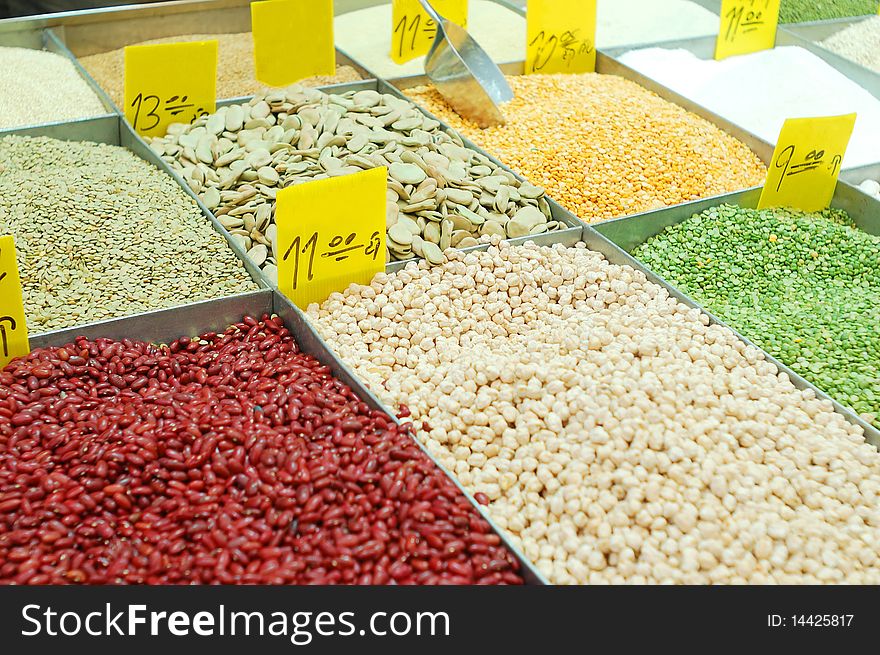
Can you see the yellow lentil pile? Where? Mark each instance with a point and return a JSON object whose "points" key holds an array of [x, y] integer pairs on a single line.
{"points": [[604, 147], [235, 67]]}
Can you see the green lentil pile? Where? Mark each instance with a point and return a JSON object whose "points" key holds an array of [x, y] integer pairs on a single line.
{"points": [[802, 11], [803, 286]]}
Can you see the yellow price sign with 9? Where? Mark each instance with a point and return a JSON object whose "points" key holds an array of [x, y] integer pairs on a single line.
{"points": [[806, 162]]}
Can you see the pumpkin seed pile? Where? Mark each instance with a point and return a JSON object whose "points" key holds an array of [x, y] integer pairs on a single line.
{"points": [[804, 287], [100, 233], [440, 194]]}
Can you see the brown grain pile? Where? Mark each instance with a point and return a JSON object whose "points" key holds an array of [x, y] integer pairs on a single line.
{"points": [[235, 67]]}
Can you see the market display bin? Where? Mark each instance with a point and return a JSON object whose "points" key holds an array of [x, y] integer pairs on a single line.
{"points": [[29, 33], [114, 131], [625, 234], [167, 325], [558, 213], [808, 36], [605, 65], [594, 239], [93, 32], [704, 48]]}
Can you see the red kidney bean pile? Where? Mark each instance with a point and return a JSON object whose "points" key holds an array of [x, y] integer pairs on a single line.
{"points": [[232, 458]]}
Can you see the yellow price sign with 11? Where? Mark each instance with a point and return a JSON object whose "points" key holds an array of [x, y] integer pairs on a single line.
{"points": [[331, 233], [13, 328], [413, 31], [169, 83], [806, 162], [746, 26], [293, 40], [561, 36]]}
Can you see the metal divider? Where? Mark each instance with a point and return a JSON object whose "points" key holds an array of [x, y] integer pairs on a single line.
{"points": [[312, 344], [858, 175], [56, 45]]}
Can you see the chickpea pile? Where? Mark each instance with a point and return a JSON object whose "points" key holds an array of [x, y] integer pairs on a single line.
{"points": [[604, 147], [618, 436]]}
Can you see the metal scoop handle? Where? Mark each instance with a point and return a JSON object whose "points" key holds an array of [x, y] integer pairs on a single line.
{"points": [[432, 13]]}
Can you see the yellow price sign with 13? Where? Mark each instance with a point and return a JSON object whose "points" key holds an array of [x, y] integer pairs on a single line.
{"points": [[806, 162], [13, 328], [169, 83], [331, 233], [413, 31], [746, 26], [561, 36], [293, 40]]}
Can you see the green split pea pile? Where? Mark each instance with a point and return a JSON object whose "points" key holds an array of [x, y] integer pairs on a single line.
{"points": [[800, 11], [805, 287]]}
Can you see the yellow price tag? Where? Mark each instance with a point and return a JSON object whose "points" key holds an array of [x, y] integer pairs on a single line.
{"points": [[746, 26], [293, 40], [561, 36], [169, 83], [331, 233], [413, 31], [13, 327], [806, 162]]}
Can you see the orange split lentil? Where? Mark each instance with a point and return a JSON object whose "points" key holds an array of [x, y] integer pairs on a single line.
{"points": [[604, 147]]}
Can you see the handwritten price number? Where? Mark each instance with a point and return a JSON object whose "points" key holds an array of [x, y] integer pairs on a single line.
{"points": [[339, 250], [739, 19], [569, 43], [5, 319], [412, 25], [9, 323], [174, 106], [812, 161], [3, 337]]}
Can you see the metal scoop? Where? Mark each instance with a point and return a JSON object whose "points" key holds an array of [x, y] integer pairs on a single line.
{"points": [[464, 74]]}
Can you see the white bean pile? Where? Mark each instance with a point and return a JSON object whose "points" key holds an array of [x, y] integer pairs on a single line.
{"points": [[859, 42], [41, 87], [871, 187], [618, 437]]}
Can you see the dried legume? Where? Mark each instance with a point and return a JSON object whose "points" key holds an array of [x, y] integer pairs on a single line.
{"points": [[804, 287], [440, 194], [42, 87], [871, 187], [615, 434], [100, 233], [785, 82], [235, 67], [227, 458], [802, 11], [605, 147], [859, 42]]}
